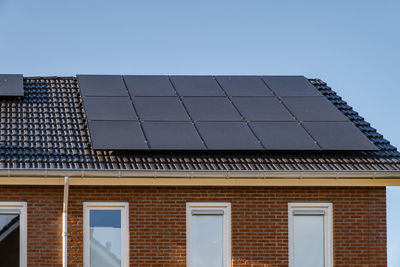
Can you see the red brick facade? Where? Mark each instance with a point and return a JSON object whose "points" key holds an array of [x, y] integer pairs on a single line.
{"points": [[158, 224]]}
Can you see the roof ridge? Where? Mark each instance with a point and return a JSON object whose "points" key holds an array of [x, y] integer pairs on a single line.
{"points": [[49, 77]]}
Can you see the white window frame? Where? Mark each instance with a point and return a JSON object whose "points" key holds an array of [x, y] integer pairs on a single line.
{"points": [[210, 206], [124, 208], [21, 209], [328, 227]]}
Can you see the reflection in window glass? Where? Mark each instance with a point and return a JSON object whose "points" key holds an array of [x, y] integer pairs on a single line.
{"points": [[105, 238], [207, 240], [9, 239], [308, 240]]}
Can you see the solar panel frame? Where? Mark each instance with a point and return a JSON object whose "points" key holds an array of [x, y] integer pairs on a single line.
{"points": [[173, 135], [313, 109], [291, 86], [196, 86], [117, 135], [211, 109], [149, 85], [109, 108], [218, 136], [11, 85], [160, 109], [339, 136], [262, 109], [243, 86], [102, 85], [283, 136]]}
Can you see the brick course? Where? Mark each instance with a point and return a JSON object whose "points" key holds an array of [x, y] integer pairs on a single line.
{"points": [[158, 224]]}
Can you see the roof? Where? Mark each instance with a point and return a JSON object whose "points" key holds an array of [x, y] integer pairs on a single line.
{"points": [[47, 129]]}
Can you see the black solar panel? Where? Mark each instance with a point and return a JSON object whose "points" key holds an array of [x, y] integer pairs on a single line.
{"points": [[149, 85], [338, 136], [109, 108], [214, 113], [211, 109], [283, 136], [11, 85], [173, 135], [116, 135], [196, 86], [291, 86], [262, 109], [102, 85], [313, 109], [160, 109], [243, 86], [228, 136]]}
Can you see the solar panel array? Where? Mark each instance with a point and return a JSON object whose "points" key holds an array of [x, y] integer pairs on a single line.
{"points": [[135, 112], [11, 85]]}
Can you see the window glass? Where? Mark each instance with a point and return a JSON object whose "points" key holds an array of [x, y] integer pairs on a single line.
{"points": [[105, 238], [9, 239], [208, 227], [308, 241], [207, 240]]}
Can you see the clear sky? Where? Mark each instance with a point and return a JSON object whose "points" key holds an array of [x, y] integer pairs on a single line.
{"points": [[351, 45]]}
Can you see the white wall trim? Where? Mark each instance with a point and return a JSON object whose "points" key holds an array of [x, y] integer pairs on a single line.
{"points": [[214, 206], [124, 208], [21, 208], [328, 225]]}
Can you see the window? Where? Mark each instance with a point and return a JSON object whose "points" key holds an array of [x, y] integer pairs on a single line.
{"points": [[310, 234], [106, 234], [208, 234], [13, 234]]}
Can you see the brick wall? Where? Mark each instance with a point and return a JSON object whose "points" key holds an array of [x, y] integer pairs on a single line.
{"points": [[157, 222]]}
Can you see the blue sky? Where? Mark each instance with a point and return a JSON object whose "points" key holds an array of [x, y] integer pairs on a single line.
{"points": [[351, 45]]}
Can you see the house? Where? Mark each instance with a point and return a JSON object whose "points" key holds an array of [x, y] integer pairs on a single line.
{"points": [[189, 171]]}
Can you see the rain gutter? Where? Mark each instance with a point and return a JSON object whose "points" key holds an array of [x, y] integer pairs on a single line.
{"points": [[86, 176], [195, 173]]}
